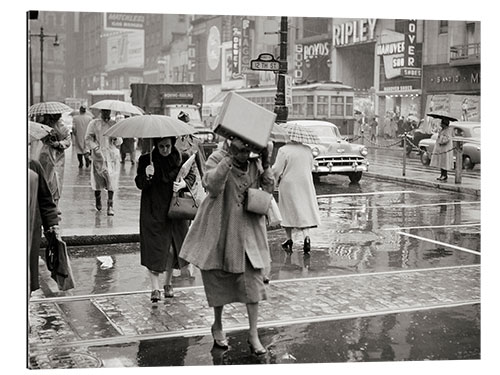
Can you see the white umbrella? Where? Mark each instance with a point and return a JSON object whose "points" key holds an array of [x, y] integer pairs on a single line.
{"points": [[149, 126], [37, 131], [117, 106]]}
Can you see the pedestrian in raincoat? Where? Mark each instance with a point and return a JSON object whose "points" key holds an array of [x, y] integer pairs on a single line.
{"points": [[442, 154], [227, 242], [80, 125], [161, 237], [51, 154], [297, 196], [105, 159], [42, 211]]}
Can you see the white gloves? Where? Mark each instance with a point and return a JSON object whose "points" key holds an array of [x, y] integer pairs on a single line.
{"points": [[150, 171]]}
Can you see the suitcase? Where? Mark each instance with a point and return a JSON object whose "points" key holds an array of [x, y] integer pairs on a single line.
{"points": [[244, 119]]}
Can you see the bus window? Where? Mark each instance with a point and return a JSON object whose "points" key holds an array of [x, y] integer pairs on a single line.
{"points": [[323, 105], [310, 107], [337, 105], [349, 106]]}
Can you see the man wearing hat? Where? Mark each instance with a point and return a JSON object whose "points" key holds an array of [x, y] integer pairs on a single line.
{"points": [[80, 124]]}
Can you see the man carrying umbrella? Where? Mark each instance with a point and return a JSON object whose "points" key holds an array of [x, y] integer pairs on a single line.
{"points": [[105, 159], [80, 125]]}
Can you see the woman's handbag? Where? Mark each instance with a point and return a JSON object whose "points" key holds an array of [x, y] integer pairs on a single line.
{"points": [[182, 207], [273, 213], [257, 201]]}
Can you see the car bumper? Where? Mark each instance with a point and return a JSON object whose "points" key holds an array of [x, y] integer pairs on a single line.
{"points": [[332, 167]]}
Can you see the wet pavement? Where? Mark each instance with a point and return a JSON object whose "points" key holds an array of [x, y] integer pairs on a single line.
{"points": [[393, 275]]}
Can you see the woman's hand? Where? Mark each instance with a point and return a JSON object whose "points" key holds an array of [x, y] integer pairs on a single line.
{"points": [[178, 185], [150, 171]]}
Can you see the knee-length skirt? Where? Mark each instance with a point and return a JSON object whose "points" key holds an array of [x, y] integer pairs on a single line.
{"points": [[223, 287]]}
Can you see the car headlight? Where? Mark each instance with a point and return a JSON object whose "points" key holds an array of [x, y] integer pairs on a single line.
{"points": [[363, 151], [210, 137], [315, 151]]}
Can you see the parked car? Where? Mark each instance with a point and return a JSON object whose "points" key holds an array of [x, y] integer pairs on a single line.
{"points": [[208, 138], [334, 155], [472, 145]]}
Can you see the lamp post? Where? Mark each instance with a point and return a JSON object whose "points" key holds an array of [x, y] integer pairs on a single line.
{"points": [[42, 36]]}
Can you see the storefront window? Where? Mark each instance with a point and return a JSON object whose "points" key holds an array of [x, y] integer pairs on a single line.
{"points": [[323, 105]]}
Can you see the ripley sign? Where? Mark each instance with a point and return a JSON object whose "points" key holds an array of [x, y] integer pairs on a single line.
{"points": [[354, 32]]}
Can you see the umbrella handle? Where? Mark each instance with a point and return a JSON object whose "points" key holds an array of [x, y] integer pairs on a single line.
{"points": [[151, 152]]}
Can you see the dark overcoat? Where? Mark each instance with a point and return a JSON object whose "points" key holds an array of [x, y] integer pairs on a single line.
{"points": [[158, 232]]}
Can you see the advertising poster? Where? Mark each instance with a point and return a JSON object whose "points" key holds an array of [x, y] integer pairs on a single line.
{"points": [[125, 50]]}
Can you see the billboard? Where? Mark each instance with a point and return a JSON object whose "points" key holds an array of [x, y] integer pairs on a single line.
{"points": [[125, 50], [129, 21]]}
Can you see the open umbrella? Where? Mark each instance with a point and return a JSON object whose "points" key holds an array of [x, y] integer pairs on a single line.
{"points": [[279, 134], [117, 106], [442, 115], [149, 126], [37, 131], [300, 134], [46, 108]]}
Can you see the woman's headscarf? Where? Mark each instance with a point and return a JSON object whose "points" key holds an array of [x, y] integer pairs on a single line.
{"points": [[166, 167]]}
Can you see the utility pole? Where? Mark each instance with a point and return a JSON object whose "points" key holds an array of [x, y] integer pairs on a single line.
{"points": [[280, 108]]}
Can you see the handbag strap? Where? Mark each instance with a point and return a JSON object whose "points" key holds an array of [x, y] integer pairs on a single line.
{"points": [[176, 194]]}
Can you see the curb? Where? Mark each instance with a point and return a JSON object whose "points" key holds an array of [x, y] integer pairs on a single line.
{"points": [[413, 181], [106, 239]]}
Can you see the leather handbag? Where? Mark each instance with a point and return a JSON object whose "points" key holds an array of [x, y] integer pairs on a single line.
{"points": [[182, 207], [257, 201]]}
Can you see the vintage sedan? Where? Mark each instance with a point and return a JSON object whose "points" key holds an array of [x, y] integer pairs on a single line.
{"points": [[334, 155], [471, 134]]}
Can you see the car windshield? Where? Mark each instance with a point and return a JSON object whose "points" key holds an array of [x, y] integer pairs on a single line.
{"points": [[326, 133]]}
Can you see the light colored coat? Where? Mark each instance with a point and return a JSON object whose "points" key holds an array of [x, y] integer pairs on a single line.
{"points": [[442, 156], [80, 125], [106, 159], [223, 233], [297, 196]]}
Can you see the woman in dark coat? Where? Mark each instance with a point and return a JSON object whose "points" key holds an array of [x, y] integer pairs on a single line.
{"points": [[160, 237]]}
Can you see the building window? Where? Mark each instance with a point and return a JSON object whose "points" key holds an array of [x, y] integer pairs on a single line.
{"points": [[443, 27]]}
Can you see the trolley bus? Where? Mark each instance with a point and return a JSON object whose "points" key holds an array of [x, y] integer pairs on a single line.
{"points": [[328, 101]]}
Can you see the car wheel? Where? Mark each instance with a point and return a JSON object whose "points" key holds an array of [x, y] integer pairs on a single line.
{"points": [[425, 158], [467, 163], [355, 176]]}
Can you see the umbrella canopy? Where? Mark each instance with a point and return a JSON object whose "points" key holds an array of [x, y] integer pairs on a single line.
{"points": [[117, 106], [149, 126], [37, 131], [279, 134], [442, 115], [300, 134], [46, 108]]}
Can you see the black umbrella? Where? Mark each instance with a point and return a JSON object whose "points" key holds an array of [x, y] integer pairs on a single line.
{"points": [[442, 115]]}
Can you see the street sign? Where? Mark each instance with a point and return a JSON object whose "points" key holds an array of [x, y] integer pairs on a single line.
{"points": [[288, 90], [265, 61]]}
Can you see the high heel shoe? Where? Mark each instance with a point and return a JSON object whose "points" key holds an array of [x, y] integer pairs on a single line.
{"points": [[155, 295], [256, 351], [220, 342], [307, 245], [287, 245]]}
